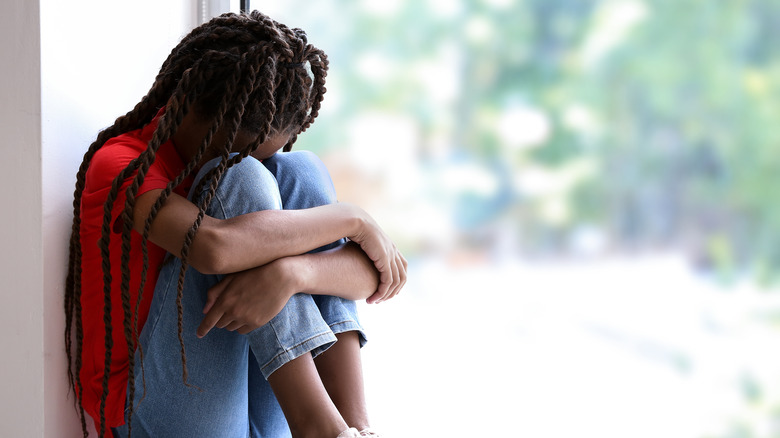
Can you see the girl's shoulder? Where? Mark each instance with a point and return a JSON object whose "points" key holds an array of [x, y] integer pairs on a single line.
{"points": [[112, 158]]}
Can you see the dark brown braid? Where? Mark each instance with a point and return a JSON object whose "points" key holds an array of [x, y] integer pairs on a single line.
{"points": [[237, 72], [140, 115], [178, 104], [216, 123]]}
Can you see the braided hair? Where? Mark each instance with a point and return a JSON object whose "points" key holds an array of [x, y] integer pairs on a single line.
{"points": [[236, 72]]}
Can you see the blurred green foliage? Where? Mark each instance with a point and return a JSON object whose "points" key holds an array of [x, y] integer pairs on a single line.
{"points": [[660, 113], [602, 125]]}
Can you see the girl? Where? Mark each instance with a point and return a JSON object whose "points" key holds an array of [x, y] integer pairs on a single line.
{"points": [[275, 263]]}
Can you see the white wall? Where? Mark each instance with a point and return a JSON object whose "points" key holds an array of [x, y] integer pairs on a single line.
{"points": [[98, 58], [21, 312]]}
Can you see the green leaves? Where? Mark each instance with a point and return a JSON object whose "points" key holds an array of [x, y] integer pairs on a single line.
{"points": [[674, 102]]}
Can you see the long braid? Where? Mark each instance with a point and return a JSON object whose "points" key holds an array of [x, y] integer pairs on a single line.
{"points": [[104, 244], [153, 214], [142, 112], [233, 124], [178, 105], [319, 66], [236, 118], [258, 84]]}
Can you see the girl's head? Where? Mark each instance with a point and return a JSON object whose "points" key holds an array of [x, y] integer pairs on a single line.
{"points": [[249, 70], [247, 81]]}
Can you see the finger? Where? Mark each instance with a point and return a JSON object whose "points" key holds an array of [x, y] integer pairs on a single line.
{"points": [[396, 280], [208, 322], [403, 272], [401, 278], [234, 325], [394, 285], [385, 281], [214, 292], [224, 321], [245, 330], [401, 264], [372, 299]]}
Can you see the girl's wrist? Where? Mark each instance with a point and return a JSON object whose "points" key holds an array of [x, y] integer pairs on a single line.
{"points": [[356, 218], [297, 271]]}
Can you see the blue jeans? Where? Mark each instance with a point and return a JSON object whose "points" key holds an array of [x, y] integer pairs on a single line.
{"points": [[230, 396]]}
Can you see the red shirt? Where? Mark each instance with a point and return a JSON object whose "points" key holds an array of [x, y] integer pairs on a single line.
{"points": [[106, 164]]}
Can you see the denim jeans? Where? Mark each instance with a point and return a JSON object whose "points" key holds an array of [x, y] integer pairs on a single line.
{"points": [[229, 395]]}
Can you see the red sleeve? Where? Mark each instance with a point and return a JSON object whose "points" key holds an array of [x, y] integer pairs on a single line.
{"points": [[110, 161]]}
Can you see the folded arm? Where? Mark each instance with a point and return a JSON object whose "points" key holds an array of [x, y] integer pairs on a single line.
{"points": [[344, 272], [246, 300], [223, 246]]}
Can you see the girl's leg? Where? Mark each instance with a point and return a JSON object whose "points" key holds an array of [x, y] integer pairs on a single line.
{"points": [[264, 409], [283, 352], [340, 366], [299, 403], [341, 371], [216, 404], [304, 400], [304, 182]]}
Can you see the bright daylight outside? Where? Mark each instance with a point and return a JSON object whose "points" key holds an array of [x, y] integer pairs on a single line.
{"points": [[584, 190]]}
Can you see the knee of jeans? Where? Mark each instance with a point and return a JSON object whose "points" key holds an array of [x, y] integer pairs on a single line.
{"points": [[304, 180], [244, 187]]}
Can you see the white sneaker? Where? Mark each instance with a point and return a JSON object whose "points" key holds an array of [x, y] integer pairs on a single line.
{"points": [[349, 433], [369, 433]]}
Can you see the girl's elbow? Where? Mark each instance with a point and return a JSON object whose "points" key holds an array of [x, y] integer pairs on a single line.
{"points": [[209, 252], [207, 265]]}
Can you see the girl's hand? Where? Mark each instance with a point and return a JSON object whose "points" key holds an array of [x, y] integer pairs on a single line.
{"points": [[388, 261], [246, 300]]}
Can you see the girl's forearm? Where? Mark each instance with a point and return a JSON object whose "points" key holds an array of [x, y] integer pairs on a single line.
{"points": [[223, 246], [255, 239], [344, 272]]}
